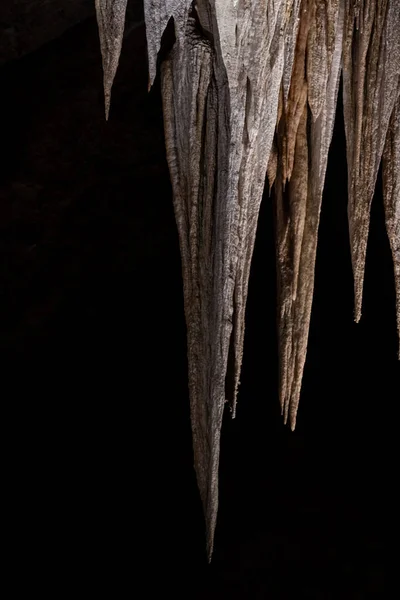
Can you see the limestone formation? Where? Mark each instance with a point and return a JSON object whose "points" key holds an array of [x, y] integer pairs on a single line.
{"points": [[250, 90]]}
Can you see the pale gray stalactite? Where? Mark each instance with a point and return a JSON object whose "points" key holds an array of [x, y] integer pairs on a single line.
{"points": [[292, 16], [371, 78], [111, 21], [320, 50], [260, 60], [391, 197], [247, 45], [157, 15], [190, 104], [248, 58]]}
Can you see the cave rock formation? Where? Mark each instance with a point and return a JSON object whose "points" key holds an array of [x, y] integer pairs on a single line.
{"points": [[249, 90]]}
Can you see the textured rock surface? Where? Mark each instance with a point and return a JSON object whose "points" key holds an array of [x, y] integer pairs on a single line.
{"points": [[218, 96], [92, 342], [239, 75], [303, 139], [371, 86], [111, 20]]}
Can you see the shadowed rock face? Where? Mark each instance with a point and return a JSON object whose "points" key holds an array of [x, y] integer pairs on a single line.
{"points": [[25, 25]]}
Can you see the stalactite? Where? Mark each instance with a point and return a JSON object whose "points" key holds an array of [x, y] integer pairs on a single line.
{"points": [[191, 132], [216, 253], [303, 160], [250, 89], [111, 21], [371, 79]]}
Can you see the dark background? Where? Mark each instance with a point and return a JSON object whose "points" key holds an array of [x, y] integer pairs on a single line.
{"points": [[93, 355]]}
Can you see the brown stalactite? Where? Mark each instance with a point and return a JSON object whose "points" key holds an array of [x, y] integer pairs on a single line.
{"points": [[303, 160], [250, 89]]}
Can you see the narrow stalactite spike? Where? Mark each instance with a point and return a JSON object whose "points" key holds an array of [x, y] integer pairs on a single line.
{"points": [[111, 22], [259, 111], [190, 107], [319, 142]]}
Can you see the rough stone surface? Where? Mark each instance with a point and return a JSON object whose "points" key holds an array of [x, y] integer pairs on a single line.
{"points": [[239, 75]]}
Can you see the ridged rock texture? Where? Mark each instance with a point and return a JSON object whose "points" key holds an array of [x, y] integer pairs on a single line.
{"points": [[249, 90]]}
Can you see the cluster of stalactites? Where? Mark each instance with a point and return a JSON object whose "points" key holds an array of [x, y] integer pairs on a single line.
{"points": [[251, 88]]}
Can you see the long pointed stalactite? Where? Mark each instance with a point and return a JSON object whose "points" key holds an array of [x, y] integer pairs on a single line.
{"points": [[250, 89], [304, 132], [371, 79], [210, 105]]}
